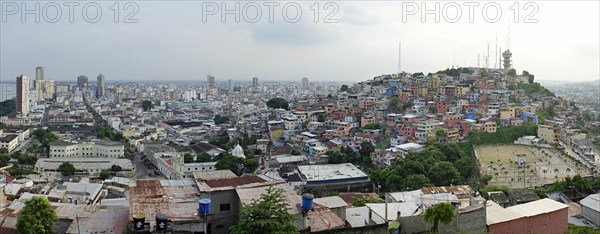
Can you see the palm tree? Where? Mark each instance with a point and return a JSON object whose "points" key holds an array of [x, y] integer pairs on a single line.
{"points": [[545, 171], [555, 170], [441, 212], [568, 170]]}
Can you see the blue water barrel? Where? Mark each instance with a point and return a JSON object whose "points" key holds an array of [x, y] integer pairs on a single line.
{"points": [[307, 201], [204, 206]]}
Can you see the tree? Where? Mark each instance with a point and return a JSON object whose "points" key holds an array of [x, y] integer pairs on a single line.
{"points": [[66, 169], [219, 119], [7, 107], [444, 173], [344, 88], [362, 201], [116, 168], [37, 217], [104, 174], [512, 72], [269, 214], [147, 105], [441, 212], [321, 117], [226, 161], [188, 158], [277, 103], [204, 157], [393, 104], [415, 181], [366, 148]]}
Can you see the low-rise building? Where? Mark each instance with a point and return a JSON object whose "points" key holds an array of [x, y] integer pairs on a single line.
{"points": [[9, 142], [104, 149]]}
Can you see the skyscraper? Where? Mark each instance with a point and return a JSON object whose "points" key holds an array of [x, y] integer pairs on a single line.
{"points": [[82, 83], [210, 80], [39, 75], [254, 82], [22, 95], [304, 83], [100, 86]]}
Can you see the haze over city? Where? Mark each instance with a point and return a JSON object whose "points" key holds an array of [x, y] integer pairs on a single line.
{"points": [[171, 42]]}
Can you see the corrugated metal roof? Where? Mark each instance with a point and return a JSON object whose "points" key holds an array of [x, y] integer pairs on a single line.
{"points": [[592, 202], [94, 218], [321, 219], [247, 195], [496, 214], [213, 175], [233, 182], [150, 197], [458, 190], [541, 206], [331, 202]]}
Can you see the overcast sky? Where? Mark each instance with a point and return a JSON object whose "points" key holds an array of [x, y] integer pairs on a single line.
{"points": [[171, 41]]}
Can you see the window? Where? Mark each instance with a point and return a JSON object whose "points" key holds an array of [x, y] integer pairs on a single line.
{"points": [[225, 207], [220, 226]]}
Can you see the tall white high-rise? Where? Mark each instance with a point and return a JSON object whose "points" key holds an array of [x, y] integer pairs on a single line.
{"points": [[22, 95], [304, 83], [100, 86], [39, 73]]}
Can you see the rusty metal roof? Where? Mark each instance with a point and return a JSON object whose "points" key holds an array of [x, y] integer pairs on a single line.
{"points": [[149, 197], [322, 218], [94, 218], [234, 182], [457, 190]]}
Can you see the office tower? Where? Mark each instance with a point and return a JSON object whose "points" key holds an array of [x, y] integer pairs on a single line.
{"points": [[82, 83], [230, 85], [507, 63], [100, 86], [49, 89], [210, 80], [39, 75], [22, 95], [254, 82], [39, 89], [304, 83]]}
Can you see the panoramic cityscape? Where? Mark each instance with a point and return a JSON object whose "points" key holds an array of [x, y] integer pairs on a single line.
{"points": [[299, 117]]}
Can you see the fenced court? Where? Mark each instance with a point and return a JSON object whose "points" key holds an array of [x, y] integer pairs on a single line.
{"points": [[541, 166]]}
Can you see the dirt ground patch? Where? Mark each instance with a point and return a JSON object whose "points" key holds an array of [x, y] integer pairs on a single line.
{"points": [[543, 165]]}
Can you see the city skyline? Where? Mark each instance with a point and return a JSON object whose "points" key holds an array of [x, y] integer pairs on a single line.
{"points": [[363, 44]]}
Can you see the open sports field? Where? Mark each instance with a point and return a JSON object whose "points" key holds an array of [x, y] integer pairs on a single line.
{"points": [[543, 165]]}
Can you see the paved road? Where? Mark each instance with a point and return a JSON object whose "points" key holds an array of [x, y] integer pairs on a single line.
{"points": [[141, 171], [23, 144]]}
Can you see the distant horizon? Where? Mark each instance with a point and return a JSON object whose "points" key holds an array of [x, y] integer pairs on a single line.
{"points": [[350, 43]]}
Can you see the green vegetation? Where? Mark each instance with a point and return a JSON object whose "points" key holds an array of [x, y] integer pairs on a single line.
{"points": [[530, 77], [104, 174], [147, 105], [7, 107], [107, 133], [278, 103], [23, 158], [503, 135], [577, 182], [37, 217], [535, 88], [455, 71], [321, 117], [45, 136], [116, 168], [512, 72], [269, 214], [66, 169], [344, 88], [393, 105], [546, 113], [18, 171], [345, 155], [574, 229], [219, 119], [361, 201], [492, 188], [435, 165], [226, 161], [441, 212]]}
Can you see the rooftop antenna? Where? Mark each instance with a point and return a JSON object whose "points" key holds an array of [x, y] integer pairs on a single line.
{"points": [[496, 55], [399, 57], [478, 59], [487, 57]]}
